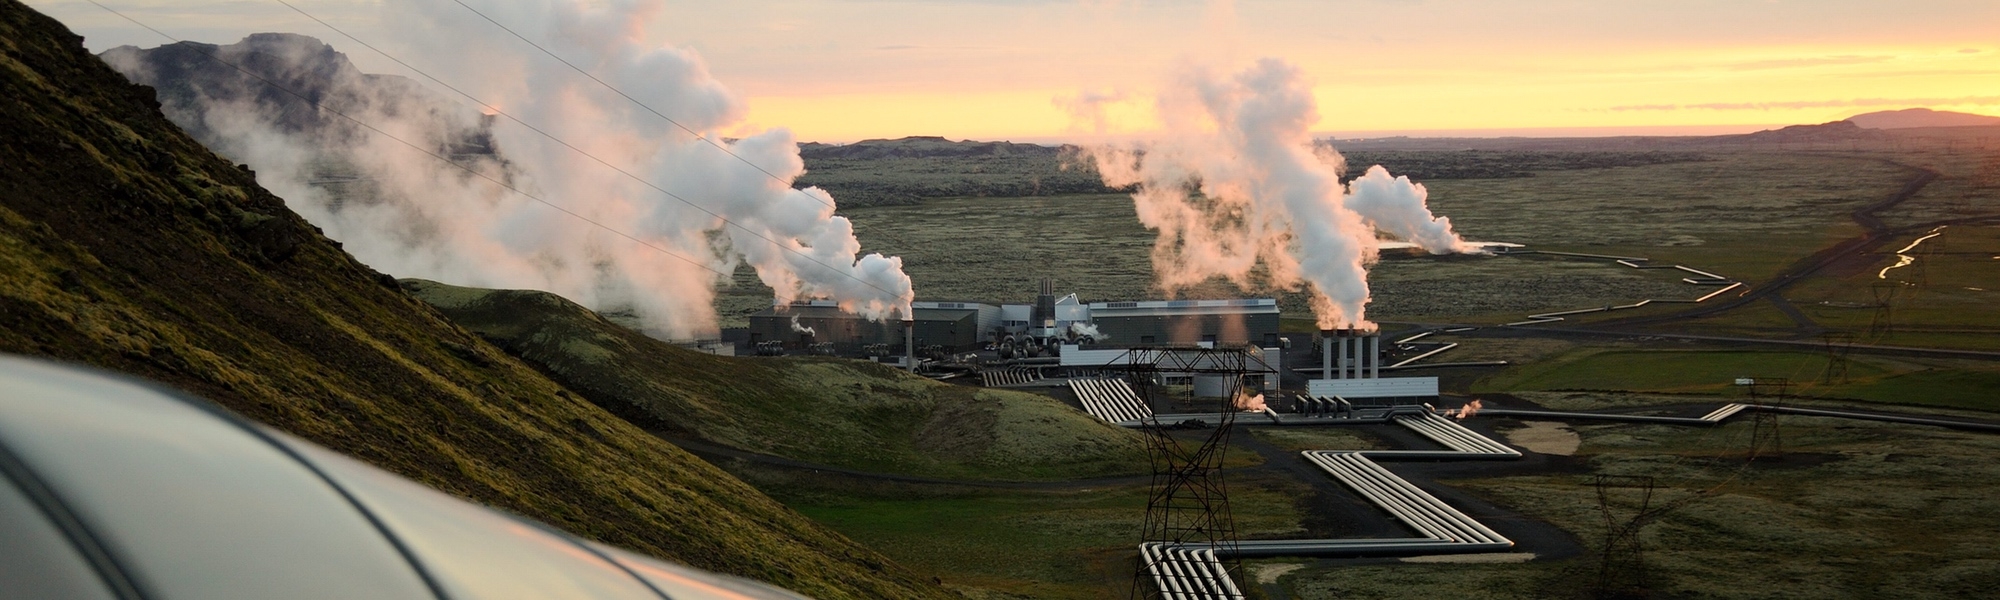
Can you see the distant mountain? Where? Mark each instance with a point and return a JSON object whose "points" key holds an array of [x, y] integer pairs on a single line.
{"points": [[1836, 131], [203, 95], [923, 146], [1920, 117]]}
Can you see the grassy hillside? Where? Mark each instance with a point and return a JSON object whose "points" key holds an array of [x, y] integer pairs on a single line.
{"points": [[823, 410], [126, 245]]}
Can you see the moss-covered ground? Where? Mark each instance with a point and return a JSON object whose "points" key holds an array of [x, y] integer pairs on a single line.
{"points": [[1881, 379], [847, 413]]}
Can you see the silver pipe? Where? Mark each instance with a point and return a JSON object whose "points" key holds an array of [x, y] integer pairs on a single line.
{"points": [[1339, 465], [1447, 510], [1415, 502], [1222, 575], [1409, 506]]}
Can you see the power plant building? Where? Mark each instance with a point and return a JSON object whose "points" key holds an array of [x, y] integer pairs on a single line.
{"points": [[1186, 322], [1351, 369], [955, 325], [1030, 329]]}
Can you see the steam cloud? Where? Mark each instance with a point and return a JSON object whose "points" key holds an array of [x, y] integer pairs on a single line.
{"points": [[1247, 400], [429, 219], [1236, 184], [1082, 329], [1464, 412], [797, 328]]}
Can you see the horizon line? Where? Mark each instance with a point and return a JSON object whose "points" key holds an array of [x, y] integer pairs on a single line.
{"points": [[1365, 135]]}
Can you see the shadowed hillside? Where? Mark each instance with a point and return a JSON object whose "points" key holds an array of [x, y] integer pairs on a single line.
{"points": [[823, 410], [199, 93], [125, 244]]}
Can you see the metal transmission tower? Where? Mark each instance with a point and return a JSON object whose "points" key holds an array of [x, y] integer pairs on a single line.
{"points": [[1766, 441], [1621, 567], [1885, 300], [1838, 344], [1189, 502]]}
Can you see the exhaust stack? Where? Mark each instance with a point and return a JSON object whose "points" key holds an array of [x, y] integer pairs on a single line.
{"points": [[910, 344], [1326, 353], [1349, 354]]}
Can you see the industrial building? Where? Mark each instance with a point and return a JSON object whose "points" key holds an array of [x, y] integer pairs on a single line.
{"points": [[1351, 370], [1023, 330], [955, 326], [1185, 322]]}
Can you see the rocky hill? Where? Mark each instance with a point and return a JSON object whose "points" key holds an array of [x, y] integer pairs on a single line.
{"points": [[1836, 131], [923, 146], [1920, 117], [127, 245], [205, 96]]}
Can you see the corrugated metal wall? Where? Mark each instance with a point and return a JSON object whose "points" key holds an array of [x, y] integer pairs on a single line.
{"points": [[1189, 329]]}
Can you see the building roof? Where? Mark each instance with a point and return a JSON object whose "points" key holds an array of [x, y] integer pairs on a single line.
{"points": [[1166, 308], [831, 311]]}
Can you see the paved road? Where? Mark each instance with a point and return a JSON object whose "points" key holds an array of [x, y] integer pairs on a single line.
{"points": [[1545, 331], [1876, 233]]}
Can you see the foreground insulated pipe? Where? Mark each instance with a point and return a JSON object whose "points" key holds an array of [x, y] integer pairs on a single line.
{"points": [[910, 344]]}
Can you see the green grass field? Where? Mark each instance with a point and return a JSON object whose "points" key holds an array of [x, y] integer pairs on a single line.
{"points": [[1056, 544]]}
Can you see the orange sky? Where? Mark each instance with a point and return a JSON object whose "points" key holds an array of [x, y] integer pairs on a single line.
{"points": [[999, 69]]}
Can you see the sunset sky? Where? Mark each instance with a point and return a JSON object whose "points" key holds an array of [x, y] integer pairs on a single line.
{"points": [[1006, 69]]}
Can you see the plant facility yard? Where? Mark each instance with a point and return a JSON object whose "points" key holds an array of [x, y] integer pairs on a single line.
{"points": [[1851, 510], [1841, 509], [1848, 510]]}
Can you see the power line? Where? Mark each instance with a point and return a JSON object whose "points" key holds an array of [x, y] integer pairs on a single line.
{"points": [[607, 164], [636, 101], [476, 172]]}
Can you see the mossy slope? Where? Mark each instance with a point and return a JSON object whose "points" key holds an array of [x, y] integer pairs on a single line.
{"points": [[126, 245], [831, 411]]}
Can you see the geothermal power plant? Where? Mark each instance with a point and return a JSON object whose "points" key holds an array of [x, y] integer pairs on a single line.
{"points": [[1186, 373]]}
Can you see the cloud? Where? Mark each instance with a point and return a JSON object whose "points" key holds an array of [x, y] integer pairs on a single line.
{"points": [[1087, 109], [1820, 61]]}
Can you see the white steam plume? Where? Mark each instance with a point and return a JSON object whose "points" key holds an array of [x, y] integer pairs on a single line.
{"points": [[1082, 329], [1237, 183], [430, 219], [797, 328], [1397, 207]]}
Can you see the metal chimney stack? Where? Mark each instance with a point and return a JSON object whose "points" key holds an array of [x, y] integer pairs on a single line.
{"points": [[1375, 355], [910, 344], [1349, 354], [1326, 353]]}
